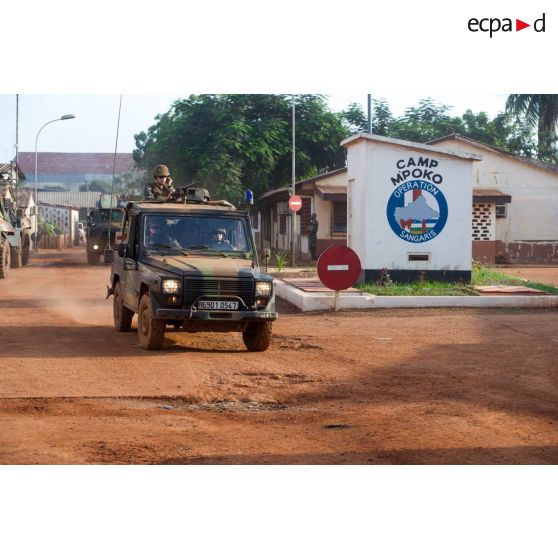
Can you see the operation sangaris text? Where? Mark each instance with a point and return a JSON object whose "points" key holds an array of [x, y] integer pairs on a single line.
{"points": [[417, 209]]}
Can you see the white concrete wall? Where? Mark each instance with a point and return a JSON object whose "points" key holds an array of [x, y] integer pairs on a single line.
{"points": [[372, 163], [533, 211]]}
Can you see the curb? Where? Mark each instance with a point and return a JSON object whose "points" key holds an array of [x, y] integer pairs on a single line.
{"points": [[315, 302]]}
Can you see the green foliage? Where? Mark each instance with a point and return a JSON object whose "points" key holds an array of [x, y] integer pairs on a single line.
{"points": [[539, 112], [282, 259], [355, 120], [229, 143], [422, 287], [46, 228], [480, 275]]}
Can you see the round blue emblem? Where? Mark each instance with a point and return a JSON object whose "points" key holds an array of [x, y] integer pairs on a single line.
{"points": [[417, 211]]}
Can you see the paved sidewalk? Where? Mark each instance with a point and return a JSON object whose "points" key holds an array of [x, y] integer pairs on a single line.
{"points": [[309, 295]]}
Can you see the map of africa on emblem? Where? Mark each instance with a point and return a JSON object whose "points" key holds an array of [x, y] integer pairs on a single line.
{"points": [[417, 210]]}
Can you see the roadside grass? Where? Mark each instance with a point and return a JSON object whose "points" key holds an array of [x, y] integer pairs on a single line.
{"points": [[481, 275]]}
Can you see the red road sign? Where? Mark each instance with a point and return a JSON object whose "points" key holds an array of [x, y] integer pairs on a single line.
{"points": [[338, 268], [295, 203]]}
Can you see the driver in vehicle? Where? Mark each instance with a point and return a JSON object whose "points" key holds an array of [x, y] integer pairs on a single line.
{"points": [[219, 240], [155, 234]]}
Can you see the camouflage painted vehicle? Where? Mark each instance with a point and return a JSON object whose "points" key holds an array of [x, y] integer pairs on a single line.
{"points": [[15, 238], [192, 266], [102, 222]]}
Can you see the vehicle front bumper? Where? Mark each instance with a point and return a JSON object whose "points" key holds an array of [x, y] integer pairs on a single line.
{"points": [[220, 315]]}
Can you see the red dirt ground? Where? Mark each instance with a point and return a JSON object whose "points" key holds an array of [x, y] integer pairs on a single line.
{"points": [[386, 386]]}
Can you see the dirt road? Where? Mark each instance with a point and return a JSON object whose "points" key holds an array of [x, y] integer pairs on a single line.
{"points": [[405, 386]]}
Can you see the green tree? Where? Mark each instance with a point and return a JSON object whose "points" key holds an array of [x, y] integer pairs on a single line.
{"points": [[228, 143], [355, 120], [424, 123], [540, 112]]}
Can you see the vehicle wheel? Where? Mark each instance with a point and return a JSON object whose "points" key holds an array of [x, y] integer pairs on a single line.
{"points": [[150, 332], [93, 258], [257, 336], [16, 257], [122, 315], [26, 250], [5, 257]]}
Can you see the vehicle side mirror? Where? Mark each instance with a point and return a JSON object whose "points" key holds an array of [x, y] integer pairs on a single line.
{"points": [[123, 250]]}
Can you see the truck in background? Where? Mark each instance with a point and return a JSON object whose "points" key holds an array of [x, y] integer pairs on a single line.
{"points": [[103, 222], [15, 237]]}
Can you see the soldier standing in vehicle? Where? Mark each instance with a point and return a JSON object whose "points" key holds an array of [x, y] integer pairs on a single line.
{"points": [[162, 188], [313, 236]]}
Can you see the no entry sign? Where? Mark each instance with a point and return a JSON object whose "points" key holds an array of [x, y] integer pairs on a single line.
{"points": [[295, 203], [338, 268]]}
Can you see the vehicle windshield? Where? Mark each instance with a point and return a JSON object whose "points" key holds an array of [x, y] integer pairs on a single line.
{"points": [[102, 216], [195, 234]]}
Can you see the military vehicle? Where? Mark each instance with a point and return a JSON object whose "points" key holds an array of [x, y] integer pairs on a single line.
{"points": [[102, 221], [15, 237], [191, 265]]}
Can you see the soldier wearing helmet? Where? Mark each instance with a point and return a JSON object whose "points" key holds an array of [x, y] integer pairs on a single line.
{"points": [[161, 188], [155, 232], [219, 240]]}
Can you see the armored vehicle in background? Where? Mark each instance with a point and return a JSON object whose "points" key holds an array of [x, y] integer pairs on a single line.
{"points": [[102, 222], [190, 265], [15, 237]]}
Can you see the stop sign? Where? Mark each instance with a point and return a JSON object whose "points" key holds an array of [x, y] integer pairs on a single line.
{"points": [[338, 268], [295, 203]]}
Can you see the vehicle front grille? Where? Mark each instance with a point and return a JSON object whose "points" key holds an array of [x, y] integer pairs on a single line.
{"points": [[243, 288]]}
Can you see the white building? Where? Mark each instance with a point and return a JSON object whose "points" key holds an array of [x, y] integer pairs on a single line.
{"points": [[517, 220]]}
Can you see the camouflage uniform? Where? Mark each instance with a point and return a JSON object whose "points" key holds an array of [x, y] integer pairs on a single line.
{"points": [[159, 190], [154, 192], [313, 236]]}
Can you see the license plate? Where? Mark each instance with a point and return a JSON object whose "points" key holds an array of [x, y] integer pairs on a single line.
{"points": [[218, 305]]}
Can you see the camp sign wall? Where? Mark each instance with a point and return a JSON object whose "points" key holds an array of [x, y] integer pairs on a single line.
{"points": [[417, 210]]}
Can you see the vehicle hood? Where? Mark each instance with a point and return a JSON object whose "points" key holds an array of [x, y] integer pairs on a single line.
{"points": [[202, 265]]}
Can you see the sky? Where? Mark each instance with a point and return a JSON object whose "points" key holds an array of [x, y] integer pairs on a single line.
{"points": [[94, 128]]}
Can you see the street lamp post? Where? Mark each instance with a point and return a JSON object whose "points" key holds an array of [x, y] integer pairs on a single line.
{"points": [[64, 117]]}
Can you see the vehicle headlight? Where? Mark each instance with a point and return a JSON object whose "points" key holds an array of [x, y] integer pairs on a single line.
{"points": [[95, 246], [263, 288], [171, 286]]}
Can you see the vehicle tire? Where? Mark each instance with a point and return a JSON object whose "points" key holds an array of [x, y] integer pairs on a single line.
{"points": [[122, 315], [5, 258], [93, 258], [257, 336], [16, 256], [26, 250], [150, 332]]}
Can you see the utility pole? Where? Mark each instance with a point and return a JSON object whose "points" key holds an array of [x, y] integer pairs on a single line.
{"points": [[293, 213], [369, 113], [16, 148]]}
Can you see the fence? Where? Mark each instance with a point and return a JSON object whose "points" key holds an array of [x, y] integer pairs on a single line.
{"points": [[58, 242]]}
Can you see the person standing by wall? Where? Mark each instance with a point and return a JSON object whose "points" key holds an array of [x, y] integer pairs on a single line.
{"points": [[313, 236]]}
